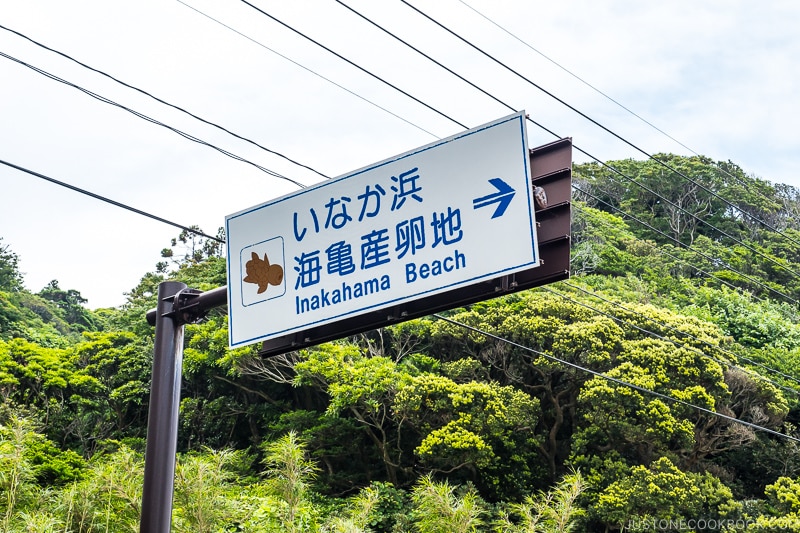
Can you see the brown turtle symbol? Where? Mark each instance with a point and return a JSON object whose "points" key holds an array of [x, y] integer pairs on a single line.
{"points": [[260, 272]]}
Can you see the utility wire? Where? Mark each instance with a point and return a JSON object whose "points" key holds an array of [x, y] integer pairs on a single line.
{"points": [[505, 104], [751, 361], [591, 156], [109, 201], [690, 247], [425, 55], [262, 45], [151, 120], [673, 342], [159, 100], [705, 222], [541, 126], [664, 252], [219, 240], [612, 100], [593, 121], [252, 142], [475, 86], [616, 380], [349, 62], [700, 220]]}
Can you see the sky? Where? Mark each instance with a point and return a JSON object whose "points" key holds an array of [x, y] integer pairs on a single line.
{"points": [[718, 78]]}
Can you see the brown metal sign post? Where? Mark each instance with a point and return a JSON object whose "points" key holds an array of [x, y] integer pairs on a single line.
{"points": [[177, 306], [551, 185]]}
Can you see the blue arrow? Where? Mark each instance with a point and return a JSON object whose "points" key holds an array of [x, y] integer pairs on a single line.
{"points": [[502, 197]]}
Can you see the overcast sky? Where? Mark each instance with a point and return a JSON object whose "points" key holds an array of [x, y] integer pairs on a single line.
{"points": [[720, 78]]}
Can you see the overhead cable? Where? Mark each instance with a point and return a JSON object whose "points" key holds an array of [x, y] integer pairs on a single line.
{"points": [[609, 98], [617, 380], [671, 341], [317, 74], [661, 250], [159, 100], [590, 119], [359, 67], [690, 247], [110, 201], [700, 220], [576, 147], [151, 120]]}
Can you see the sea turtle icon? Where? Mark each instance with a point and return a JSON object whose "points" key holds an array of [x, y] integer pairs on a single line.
{"points": [[262, 273]]}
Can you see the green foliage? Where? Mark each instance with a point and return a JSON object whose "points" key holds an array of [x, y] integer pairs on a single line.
{"points": [[604, 244], [287, 504], [17, 473], [358, 518], [109, 497], [691, 305], [662, 492], [556, 511], [439, 509], [203, 500], [755, 324], [480, 427], [10, 276], [70, 304]]}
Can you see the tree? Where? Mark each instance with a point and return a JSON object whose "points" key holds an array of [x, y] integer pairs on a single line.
{"points": [[70, 302], [190, 247], [662, 492], [480, 432], [362, 388], [10, 276]]}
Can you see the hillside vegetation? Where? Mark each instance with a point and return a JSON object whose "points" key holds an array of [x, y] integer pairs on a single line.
{"points": [[657, 388]]}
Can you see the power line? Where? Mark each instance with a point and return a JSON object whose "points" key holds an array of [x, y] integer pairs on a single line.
{"points": [[699, 219], [673, 328], [349, 62], [694, 216], [690, 247], [460, 77], [664, 252], [214, 238], [425, 55], [616, 380], [262, 45], [151, 120], [511, 108], [109, 201], [343, 58], [159, 100], [593, 121], [657, 195], [737, 356], [609, 98]]}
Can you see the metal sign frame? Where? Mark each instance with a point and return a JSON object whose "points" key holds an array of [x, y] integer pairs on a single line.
{"points": [[436, 219], [551, 181]]}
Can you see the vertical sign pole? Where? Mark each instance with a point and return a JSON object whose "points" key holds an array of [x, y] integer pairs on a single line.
{"points": [[162, 423]]}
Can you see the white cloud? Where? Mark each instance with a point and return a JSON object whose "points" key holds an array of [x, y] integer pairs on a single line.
{"points": [[719, 76]]}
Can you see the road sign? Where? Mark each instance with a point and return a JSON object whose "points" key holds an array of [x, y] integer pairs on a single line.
{"points": [[440, 217]]}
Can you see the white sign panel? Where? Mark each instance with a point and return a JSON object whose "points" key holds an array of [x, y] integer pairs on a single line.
{"points": [[446, 215]]}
